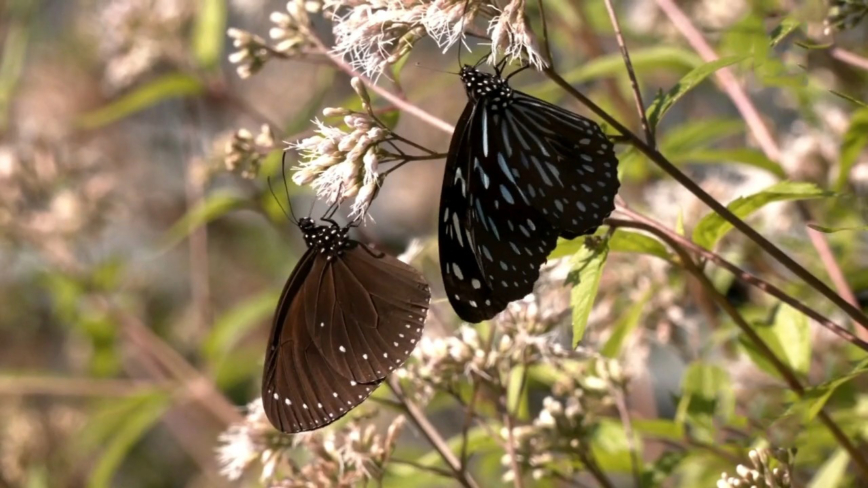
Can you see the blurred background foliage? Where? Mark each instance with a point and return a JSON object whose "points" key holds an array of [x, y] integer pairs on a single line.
{"points": [[139, 269]]}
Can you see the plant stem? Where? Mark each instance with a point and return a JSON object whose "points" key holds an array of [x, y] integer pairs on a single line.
{"points": [[634, 83], [782, 369], [718, 208], [656, 228], [620, 402], [849, 58], [434, 437], [766, 141]]}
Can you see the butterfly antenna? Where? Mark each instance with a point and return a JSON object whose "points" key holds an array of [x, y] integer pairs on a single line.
{"points": [[461, 34], [271, 188], [286, 187], [517, 71]]}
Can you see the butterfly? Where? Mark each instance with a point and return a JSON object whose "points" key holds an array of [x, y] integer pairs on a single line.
{"points": [[520, 172], [347, 317]]}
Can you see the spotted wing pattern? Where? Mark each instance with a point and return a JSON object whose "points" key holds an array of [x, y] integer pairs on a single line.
{"points": [[342, 324]]}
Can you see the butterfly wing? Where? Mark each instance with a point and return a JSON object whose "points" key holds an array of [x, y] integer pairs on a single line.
{"points": [[492, 242], [566, 164], [368, 312], [300, 390]]}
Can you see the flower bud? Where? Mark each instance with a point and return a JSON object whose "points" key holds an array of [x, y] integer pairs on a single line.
{"points": [[360, 89]]}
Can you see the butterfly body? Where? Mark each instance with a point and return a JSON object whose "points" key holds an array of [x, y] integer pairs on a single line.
{"points": [[347, 317], [520, 172]]}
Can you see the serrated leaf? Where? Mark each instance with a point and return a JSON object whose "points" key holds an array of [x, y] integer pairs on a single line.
{"points": [[745, 156], [209, 33], [166, 87], [661, 105], [625, 325], [854, 142], [785, 28], [587, 269], [713, 227], [629, 241], [832, 230], [212, 207]]}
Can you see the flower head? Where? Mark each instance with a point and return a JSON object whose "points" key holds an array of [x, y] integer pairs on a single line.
{"points": [[510, 33]]}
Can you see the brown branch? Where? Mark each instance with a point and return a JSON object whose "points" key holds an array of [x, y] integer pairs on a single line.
{"points": [[716, 206], [62, 386], [845, 298], [786, 373], [850, 58], [418, 416], [621, 404], [658, 229]]}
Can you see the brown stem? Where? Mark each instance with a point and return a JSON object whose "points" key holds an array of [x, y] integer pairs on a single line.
{"points": [[786, 373], [634, 83], [766, 141], [391, 97], [62, 386], [849, 58], [434, 437], [718, 208], [656, 228], [620, 402]]}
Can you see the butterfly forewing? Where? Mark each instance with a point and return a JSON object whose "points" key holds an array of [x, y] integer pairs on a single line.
{"points": [[344, 321], [492, 242]]}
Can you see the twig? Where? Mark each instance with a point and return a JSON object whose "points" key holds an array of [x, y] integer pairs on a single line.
{"points": [[785, 372], [431, 469], [849, 58], [767, 143], [718, 208], [654, 227], [621, 404], [391, 97], [547, 48], [434, 437], [634, 83], [510, 448], [588, 460], [62, 386]]}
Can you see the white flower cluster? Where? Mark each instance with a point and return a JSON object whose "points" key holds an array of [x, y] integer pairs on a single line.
{"points": [[510, 33], [762, 473]]}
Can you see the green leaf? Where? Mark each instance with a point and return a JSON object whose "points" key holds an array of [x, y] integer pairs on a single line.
{"points": [[855, 140], [625, 325], [629, 241], [214, 206], [587, 269], [169, 86], [794, 333], [237, 321], [785, 28], [713, 227], [832, 230], [209, 33], [788, 337], [120, 429], [698, 135], [750, 157], [812, 45], [706, 393], [815, 398], [831, 473], [662, 104]]}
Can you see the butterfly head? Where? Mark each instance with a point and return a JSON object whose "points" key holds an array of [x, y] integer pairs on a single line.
{"points": [[331, 240], [486, 87]]}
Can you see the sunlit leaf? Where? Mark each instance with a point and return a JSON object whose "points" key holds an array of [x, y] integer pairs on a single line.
{"points": [[166, 87], [628, 241], [706, 395], [855, 140], [214, 206], [587, 269], [787, 336], [813, 46], [661, 105], [209, 32], [698, 135], [713, 227]]}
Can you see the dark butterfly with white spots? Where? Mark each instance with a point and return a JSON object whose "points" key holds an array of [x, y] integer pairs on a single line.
{"points": [[348, 316], [520, 172]]}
